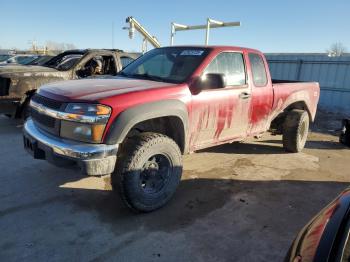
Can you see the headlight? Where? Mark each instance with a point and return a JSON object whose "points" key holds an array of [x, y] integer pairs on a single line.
{"points": [[88, 110], [85, 122]]}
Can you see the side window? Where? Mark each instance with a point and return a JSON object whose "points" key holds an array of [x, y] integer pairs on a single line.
{"points": [[258, 70], [92, 67], [108, 65], [125, 60], [98, 65], [231, 65]]}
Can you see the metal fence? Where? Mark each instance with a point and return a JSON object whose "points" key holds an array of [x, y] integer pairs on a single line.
{"points": [[333, 74]]}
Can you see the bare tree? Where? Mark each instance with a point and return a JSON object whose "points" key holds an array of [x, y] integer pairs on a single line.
{"points": [[336, 49], [52, 45]]}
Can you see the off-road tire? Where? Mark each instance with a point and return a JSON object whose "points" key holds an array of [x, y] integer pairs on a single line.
{"points": [[127, 178], [295, 130]]}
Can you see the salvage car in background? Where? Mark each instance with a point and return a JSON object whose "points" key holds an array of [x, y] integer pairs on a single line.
{"points": [[41, 60], [169, 102], [4, 57], [19, 59], [18, 84], [326, 236]]}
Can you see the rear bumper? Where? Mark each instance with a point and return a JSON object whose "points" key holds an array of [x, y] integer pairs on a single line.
{"points": [[94, 159]]}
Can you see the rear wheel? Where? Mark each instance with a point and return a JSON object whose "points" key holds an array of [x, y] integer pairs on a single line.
{"points": [[295, 130], [148, 171]]}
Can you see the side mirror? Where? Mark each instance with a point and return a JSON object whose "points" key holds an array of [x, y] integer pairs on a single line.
{"points": [[209, 81]]}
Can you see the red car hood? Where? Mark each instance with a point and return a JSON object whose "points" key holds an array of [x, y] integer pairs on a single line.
{"points": [[96, 89]]}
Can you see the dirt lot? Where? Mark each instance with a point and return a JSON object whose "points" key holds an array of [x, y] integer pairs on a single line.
{"points": [[237, 202]]}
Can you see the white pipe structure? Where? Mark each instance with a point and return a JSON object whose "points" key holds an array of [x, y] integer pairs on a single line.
{"points": [[211, 23], [147, 37]]}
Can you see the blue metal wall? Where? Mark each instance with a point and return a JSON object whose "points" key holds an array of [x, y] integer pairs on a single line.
{"points": [[333, 74]]}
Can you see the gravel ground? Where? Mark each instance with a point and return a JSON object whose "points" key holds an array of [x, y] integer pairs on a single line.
{"points": [[236, 202]]}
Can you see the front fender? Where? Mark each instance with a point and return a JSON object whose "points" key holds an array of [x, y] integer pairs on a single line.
{"points": [[127, 119]]}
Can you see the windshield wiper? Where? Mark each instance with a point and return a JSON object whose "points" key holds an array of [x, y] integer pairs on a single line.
{"points": [[148, 76], [121, 73]]}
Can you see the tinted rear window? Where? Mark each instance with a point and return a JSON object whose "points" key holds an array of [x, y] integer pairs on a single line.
{"points": [[258, 70]]}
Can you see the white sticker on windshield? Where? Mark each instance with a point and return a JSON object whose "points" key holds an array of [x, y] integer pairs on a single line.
{"points": [[192, 52]]}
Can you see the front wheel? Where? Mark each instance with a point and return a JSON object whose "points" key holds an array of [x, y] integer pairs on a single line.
{"points": [[295, 130], [148, 171]]}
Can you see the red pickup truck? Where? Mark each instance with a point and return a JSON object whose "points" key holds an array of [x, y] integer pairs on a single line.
{"points": [[171, 101]]}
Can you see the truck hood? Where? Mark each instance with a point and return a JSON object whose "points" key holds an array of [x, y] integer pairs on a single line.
{"points": [[97, 89], [21, 69]]}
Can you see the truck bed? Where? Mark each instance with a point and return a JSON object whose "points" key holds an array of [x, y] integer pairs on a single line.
{"points": [[280, 81], [287, 92]]}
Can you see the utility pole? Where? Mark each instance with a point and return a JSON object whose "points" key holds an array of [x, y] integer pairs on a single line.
{"points": [[112, 35]]}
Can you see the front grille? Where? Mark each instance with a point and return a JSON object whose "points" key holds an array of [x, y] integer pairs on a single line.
{"points": [[45, 120], [50, 103], [48, 123], [4, 86]]}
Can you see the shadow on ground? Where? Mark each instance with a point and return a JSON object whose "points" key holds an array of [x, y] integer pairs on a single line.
{"points": [[245, 148], [50, 213], [311, 144], [193, 201]]}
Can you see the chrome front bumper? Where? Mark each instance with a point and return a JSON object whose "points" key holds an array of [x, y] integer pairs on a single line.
{"points": [[94, 159]]}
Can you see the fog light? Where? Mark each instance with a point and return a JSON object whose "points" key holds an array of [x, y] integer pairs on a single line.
{"points": [[90, 133], [82, 130]]}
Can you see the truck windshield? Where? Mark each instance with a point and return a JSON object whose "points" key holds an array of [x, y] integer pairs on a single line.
{"points": [[169, 64]]}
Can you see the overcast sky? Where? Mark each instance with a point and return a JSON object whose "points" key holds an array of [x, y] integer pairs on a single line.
{"points": [[271, 26]]}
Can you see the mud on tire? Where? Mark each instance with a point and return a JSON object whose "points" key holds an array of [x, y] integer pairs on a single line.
{"points": [[148, 171], [295, 130]]}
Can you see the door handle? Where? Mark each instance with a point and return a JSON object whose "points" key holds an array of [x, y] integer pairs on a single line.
{"points": [[244, 95]]}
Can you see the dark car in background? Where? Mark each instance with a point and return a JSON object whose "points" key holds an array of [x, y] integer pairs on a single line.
{"points": [[19, 59], [41, 60], [4, 57], [326, 236], [23, 61]]}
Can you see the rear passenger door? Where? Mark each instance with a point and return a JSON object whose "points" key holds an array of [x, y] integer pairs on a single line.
{"points": [[262, 94], [219, 115]]}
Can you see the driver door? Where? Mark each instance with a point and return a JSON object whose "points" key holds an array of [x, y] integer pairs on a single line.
{"points": [[220, 115]]}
